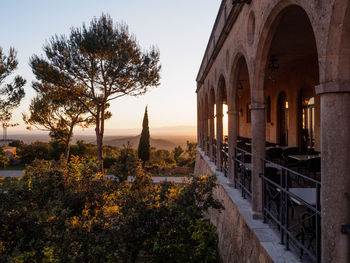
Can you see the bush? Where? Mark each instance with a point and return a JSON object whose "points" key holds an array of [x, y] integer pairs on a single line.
{"points": [[61, 212], [108, 162], [126, 164], [4, 160], [36, 150]]}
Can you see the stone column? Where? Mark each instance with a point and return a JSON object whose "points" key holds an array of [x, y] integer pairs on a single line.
{"points": [[258, 153], [199, 127], [219, 135], [232, 141], [211, 130], [205, 119], [335, 170]]}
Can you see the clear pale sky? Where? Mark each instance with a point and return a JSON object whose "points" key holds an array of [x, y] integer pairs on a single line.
{"points": [[180, 29]]}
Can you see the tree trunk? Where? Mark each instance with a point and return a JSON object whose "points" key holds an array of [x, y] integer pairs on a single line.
{"points": [[67, 143], [99, 135]]}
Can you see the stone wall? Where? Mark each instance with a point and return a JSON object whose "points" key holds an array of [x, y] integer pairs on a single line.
{"points": [[241, 239]]}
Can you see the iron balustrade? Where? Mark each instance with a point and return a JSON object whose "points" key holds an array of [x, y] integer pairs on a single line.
{"points": [[214, 151], [242, 175], [280, 195], [224, 159], [207, 150]]}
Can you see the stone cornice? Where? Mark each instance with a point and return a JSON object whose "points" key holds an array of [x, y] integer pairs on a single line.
{"points": [[214, 45]]}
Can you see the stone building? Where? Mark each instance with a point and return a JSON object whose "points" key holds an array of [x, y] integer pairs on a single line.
{"points": [[273, 98]]}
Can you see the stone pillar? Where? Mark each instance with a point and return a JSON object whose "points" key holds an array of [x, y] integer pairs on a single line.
{"points": [[202, 128], [258, 153], [232, 141], [199, 127], [335, 170], [205, 119], [211, 130], [219, 135]]}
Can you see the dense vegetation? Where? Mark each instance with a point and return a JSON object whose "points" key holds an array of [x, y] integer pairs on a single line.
{"points": [[68, 212], [53, 150], [65, 208]]}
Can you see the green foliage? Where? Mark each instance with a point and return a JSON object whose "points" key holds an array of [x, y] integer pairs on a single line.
{"points": [[126, 164], [185, 157], [12, 93], [177, 152], [4, 160], [54, 110], [83, 150], [56, 149], [16, 143], [27, 153], [108, 162], [68, 212], [144, 144], [161, 158], [191, 153]]}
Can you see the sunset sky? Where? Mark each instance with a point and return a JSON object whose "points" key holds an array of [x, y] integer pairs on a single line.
{"points": [[180, 29]]}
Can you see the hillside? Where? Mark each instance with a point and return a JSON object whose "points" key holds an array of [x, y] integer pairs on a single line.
{"points": [[160, 142], [165, 141]]}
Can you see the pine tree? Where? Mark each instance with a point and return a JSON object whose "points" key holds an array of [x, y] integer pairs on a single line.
{"points": [[96, 65], [144, 144]]}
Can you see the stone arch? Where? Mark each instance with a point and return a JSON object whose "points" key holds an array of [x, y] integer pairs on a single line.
{"points": [[237, 56], [265, 39], [221, 89], [240, 86]]}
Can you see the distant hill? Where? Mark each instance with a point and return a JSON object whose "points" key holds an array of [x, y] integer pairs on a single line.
{"points": [[160, 142], [165, 141]]}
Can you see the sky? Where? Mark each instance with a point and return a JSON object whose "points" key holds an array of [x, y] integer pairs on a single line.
{"points": [[180, 29]]}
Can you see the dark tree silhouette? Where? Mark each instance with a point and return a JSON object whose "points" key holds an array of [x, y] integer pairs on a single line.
{"points": [[12, 93], [144, 144]]}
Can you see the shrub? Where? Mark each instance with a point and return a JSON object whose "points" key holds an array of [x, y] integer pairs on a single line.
{"points": [[68, 212]]}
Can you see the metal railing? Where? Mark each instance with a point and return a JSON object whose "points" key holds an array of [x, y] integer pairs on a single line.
{"points": [[291, 200], [224, 159], [207, 150], [214, 151], [242, 176]]}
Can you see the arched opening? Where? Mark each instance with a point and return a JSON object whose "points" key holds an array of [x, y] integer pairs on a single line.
{"points": [[291, 74], [243, 101], [206, 124], [212, 124], [222, 124], [222, 93]]}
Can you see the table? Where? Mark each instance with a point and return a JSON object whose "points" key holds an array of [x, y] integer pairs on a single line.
{"points": [[249, 166], [306, 194], [304, 157]]}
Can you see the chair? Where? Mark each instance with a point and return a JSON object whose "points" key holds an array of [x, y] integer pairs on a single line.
{"points": [[288, 162], [307, 231], [272, 195], [314, 166], [274, 154]]}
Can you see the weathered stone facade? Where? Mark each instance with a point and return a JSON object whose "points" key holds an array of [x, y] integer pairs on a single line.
{"points": [[268, 57]]}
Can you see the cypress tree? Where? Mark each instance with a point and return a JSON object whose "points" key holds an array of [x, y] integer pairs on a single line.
{"points": [[144, 144]]}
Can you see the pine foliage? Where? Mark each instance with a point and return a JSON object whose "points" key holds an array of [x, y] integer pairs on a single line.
{"points": [[144, 144]]}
